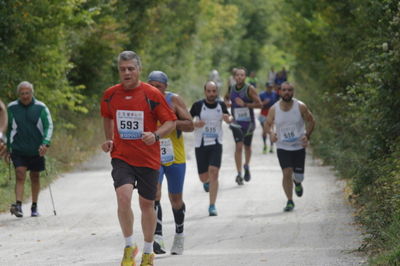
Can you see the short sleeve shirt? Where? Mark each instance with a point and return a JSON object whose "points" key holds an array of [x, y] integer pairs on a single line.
{"points": [[133, 112]]}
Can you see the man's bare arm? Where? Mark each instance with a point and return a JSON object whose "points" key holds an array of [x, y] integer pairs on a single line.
{"points": [[308, 119], [185, 120]]}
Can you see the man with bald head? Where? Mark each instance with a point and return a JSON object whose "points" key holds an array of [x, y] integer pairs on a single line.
{"points": [[208, 114], [294, 124]]}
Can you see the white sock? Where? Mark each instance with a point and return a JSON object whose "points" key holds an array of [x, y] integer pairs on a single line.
{"points": [[129, 241], [148, 247]]}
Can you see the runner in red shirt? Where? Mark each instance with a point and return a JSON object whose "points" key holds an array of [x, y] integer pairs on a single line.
{"points": [[130, 112]]}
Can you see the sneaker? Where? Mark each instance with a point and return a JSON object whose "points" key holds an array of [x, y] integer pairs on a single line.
{"points": [[129, 256], [212, 210], [206, 187], [158, 245], [298, 189], [177, 246], [289, 206], [34, 211], [239, 180], [265, 149], [16, 210], [147, 259], [246, 173]]}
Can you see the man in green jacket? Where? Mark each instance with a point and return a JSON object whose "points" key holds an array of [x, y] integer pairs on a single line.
{"points": [[29, 132]]}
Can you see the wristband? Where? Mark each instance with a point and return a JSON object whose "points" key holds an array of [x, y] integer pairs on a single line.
{"points": [[156, 136]]}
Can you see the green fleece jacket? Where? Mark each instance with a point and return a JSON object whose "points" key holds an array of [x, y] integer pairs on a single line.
{"points": [[29, 126]]}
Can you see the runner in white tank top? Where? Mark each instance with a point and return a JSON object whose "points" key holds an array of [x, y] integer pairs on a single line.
{"points": [[294, 125]]}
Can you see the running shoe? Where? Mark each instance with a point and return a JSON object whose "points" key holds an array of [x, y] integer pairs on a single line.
{"points": [[239, 180], [177, 246], [16, 210], [158, 245], [129, 256], [147, 259], [271, 150], [206, 187], [212, 210], [265, 149], [289, 206], [247, 175], [34, 211], [298, 189]]}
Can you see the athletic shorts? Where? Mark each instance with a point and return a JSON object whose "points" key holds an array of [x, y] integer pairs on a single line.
{"points": [[175, 174], [292, 159], [262, 119], [143, 178], [240, 134], [208, 156], [32, 163]]}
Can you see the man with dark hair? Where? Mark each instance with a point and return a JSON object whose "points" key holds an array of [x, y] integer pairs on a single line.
{"points": [[294, 124], [243, 98], [268, 98], [29, 133], [173, 165], [209, 113], [130, 112]]}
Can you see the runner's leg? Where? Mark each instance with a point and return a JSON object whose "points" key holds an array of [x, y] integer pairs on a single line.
{"points": [[213, 175], [125, 214]]}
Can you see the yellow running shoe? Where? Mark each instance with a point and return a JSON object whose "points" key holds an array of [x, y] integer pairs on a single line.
{"points": [[147, 259], [129, 256]]}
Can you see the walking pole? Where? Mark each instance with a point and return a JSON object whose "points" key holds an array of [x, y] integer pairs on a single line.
{"points": [[51, 195], [9, 169]]}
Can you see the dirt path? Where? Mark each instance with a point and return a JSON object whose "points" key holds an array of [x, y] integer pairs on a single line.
{"points": [[251, 228]]}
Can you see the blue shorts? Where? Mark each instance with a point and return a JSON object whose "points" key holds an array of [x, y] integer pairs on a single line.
{"points": [[175, 174], [262, 119]]}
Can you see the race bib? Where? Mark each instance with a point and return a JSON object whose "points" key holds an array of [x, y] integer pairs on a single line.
{"points": [[210, 129], [242, 114], [289, 135], [166, 151], [130, 124]]}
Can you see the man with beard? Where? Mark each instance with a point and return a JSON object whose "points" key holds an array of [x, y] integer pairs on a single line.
{"points": [[294, 124], [242, 97], [209, 113]]}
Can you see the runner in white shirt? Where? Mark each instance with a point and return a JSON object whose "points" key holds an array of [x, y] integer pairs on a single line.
{"points": [[208, 114], [294, 124]]}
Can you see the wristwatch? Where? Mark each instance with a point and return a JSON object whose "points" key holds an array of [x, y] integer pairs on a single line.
{"points": [[156, 136]]}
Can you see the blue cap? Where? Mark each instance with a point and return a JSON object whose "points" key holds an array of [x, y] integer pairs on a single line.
{"points": [[158, 76]]}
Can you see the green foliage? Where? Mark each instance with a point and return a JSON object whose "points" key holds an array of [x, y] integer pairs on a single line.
{"points": [[347, 61], [33, 47]]}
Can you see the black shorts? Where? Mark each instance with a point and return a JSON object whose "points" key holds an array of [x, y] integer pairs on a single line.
{"points": [[242, 135], [292, 159], [32, 163], [208, 155], [143, 178]]}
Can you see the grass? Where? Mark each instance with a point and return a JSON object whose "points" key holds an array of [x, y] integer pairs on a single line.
{"points": [[69, 148]]}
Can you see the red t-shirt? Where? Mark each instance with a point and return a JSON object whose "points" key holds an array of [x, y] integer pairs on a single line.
{"points": [[134, 112]]}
